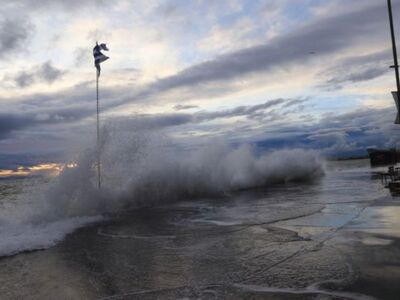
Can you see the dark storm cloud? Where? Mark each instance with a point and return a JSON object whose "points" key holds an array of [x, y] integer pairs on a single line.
{"points": [[357, 69], [338, 134], [354, 77], [157, 121], [79, 98], [12, 122], [358, 130], [73, 113], [250, 112], [349, 133], [364, 75], [335, 135], [46, 73], [259, 112], [325, 36], [14, 34]]}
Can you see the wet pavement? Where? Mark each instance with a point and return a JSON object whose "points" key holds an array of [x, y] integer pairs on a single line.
{"points": [[252, 245]]}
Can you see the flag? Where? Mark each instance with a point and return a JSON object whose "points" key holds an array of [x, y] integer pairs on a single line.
{"points": [[99, 57]]}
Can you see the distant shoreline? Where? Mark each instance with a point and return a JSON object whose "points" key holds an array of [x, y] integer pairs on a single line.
{"points": [[347, 158]]}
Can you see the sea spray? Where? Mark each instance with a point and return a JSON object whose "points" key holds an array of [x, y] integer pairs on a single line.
{"points": [[216, 169], [145, 169], [142, 169]]}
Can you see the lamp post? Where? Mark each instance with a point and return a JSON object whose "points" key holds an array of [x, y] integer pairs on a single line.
{"points": [[396, 65]]}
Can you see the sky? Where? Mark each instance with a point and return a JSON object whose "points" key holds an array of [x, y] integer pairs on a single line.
{"points": [[276, 74]]}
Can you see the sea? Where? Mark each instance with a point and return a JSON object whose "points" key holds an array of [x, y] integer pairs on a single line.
{"points": [[220, 224]]}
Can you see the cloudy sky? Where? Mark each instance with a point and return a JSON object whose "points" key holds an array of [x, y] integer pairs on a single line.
{"points": [[275, 73]]}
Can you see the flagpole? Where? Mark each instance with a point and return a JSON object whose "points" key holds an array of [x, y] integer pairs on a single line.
{"points": [[98, 131], [98, 58], [396, 65]]}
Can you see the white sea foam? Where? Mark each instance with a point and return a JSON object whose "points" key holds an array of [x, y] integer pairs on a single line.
{"points": [[15, 238], [141, 170]]}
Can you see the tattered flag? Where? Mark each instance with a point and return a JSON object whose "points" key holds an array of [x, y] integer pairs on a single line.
{"points": [[99, 57]]}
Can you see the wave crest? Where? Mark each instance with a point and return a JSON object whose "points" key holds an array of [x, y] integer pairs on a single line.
{"points": [[142, 171]]}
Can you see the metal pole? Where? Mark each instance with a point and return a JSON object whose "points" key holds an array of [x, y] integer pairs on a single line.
{"points": [[98, 132], [396, 65]]}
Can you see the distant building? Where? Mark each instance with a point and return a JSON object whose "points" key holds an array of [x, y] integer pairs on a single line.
{"points": [[380, 157]]}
